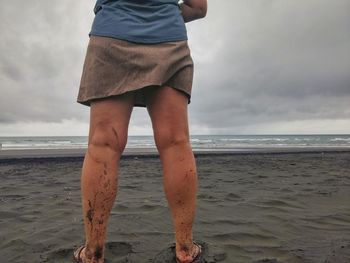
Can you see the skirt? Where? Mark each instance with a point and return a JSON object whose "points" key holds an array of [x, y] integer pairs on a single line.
{"points": [[113, 67]]}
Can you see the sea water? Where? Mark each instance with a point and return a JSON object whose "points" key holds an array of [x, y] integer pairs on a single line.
{"points": [[198, 142]]}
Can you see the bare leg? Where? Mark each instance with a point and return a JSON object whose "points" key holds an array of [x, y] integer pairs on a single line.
{"points": [[180, 185], [167, 108], [109, 119]]}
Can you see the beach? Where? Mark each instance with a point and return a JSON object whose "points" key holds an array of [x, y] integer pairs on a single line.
{"points": [[253, 206]]}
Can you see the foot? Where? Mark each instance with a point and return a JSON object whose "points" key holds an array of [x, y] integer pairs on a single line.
{"points": [[80, 256], [191, 255]]}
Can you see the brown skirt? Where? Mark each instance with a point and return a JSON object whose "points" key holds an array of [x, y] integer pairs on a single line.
{"points": [[113, 67]]}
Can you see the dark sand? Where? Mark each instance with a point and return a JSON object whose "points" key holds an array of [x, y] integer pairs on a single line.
{"points": [[253, 207]]}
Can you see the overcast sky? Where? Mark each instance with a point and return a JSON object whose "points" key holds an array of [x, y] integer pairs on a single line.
{"points": [[261, 67]]}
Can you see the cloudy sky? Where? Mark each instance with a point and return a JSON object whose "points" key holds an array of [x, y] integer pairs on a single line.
{"points": [[261, 67]]}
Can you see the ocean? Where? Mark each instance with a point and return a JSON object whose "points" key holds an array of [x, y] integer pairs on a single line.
{"points": [[198, 142]]}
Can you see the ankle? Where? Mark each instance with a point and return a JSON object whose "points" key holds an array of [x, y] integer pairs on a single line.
{"points": [[94, 255]]}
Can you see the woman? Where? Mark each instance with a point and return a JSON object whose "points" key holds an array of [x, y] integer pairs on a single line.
{"points": [[138, 56]]}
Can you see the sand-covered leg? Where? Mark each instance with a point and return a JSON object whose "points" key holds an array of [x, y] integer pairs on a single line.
{"points": [[167, 108], [107, 139]]}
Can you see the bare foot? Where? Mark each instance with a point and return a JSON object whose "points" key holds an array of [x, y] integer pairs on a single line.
{"points": [[84, 256], [187, 254]]}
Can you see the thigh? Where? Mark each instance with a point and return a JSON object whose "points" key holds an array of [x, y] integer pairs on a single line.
{"points": [[115, 111], [167, 108]]}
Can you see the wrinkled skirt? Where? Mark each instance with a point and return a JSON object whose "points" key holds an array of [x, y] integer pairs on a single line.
{"points": [[113, 67]]}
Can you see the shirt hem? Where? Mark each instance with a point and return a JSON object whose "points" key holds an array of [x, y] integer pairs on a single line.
{"points": [[138, 40]]}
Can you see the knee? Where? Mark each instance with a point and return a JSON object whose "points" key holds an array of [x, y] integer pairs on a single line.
{"points": [[105, 142], [168, 138]]}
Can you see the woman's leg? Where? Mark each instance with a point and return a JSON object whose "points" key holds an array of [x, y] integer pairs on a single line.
{"points": [[167, 108], [109, 121]]}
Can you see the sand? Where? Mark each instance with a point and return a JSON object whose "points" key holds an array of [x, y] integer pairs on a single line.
{"points": [[252, 207]]}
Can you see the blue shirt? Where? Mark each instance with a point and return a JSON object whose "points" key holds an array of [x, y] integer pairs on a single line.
{"points": [[141, 21]]}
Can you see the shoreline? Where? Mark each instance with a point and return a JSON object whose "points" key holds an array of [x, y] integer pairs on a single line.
{"points": [[152, 152]]}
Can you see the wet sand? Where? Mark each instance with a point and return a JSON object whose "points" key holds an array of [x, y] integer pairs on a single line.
{"points": [[252, 207]]}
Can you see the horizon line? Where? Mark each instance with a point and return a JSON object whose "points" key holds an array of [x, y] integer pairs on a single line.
{"points": [[247, 134]]}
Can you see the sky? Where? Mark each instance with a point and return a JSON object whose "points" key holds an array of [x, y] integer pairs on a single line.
{"points": [[261, 67]]}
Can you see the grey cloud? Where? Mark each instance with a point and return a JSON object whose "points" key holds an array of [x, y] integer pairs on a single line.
{"points": [[273, 62], [42, 49]]}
